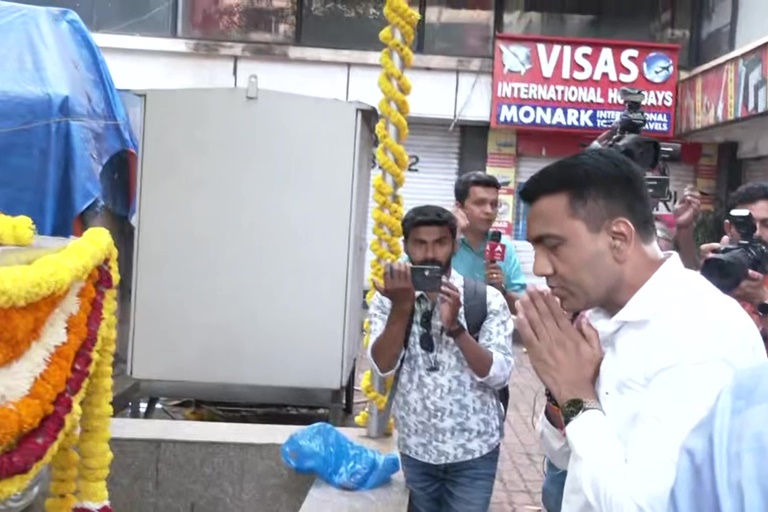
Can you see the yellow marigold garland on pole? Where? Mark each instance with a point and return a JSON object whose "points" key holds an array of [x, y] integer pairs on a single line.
{"points": [[64, 471], [74, 437], [391, 131]]}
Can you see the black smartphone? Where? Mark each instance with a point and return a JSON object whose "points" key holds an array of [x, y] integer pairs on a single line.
{"points": [[426, 278], [658, 187]]}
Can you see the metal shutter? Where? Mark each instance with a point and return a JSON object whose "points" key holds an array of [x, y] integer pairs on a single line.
{"points": [[680, 176], [526, 167], [755, 169], [434, 174]]}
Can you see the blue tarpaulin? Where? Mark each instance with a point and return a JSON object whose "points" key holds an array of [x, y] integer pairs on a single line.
{"points": [[61, 118]]}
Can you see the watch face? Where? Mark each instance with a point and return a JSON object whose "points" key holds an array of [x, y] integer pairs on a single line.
{"points": [[572, 408], [763, 308]]}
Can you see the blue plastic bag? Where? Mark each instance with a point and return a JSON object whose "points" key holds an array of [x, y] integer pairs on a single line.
{"points": [[326, 452]]}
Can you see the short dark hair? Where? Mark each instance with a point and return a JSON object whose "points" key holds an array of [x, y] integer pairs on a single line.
{"points": [[428, 215], [602, 185], [747, 194], [473, 179]]}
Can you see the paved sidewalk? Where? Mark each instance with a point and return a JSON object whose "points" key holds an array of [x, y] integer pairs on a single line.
{"points": [[518, 484]]}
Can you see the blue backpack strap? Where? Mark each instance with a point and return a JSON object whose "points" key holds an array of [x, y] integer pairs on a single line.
{"points": [[475, 313], [475, 306]]}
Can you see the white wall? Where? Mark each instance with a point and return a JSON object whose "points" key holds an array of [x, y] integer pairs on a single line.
{"points": [[436, 94], [133, 69], [751, 22]]}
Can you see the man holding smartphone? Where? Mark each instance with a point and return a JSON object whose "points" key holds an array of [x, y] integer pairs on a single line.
{"points": [[445, 399]]}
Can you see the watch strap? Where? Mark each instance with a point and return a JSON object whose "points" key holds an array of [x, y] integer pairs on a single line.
{"points": [[554, 416], [455, 331]]}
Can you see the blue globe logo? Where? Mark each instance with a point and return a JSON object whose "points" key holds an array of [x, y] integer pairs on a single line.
{"points": [[658, 67]]}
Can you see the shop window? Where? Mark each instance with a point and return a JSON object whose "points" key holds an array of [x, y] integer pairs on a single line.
{"points": [[715, 28], [344, 24], [626, 21], [717, 23], [238, 20], [458, 27], [141, 17]]}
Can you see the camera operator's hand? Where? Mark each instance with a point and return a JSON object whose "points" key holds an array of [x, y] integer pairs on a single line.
{"points": [[397, 285], [687, 209], [751, 290], [706, 250]]}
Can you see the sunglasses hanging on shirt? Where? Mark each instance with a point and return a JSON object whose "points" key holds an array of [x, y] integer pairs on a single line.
{"points": [[427, 341]]}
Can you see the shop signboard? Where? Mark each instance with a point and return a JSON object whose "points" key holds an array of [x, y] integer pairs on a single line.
{"points": [[732, 90], [502, 163], [573, 85]]}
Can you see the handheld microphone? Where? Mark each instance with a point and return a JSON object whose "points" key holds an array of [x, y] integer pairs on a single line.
{"points": [[494, 249]]}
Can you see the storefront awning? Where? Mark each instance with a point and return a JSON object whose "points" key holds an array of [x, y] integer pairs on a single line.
{"points": [[726, 100]]}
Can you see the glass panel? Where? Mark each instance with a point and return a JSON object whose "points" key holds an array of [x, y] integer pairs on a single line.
{"points": [[238, 20], [619, 20], [459, 27], [346, 24], [141, 17], [84, 8], [716, 28]]}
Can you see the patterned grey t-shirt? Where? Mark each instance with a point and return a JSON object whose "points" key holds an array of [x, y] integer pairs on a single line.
{"points": [[448, 415]]}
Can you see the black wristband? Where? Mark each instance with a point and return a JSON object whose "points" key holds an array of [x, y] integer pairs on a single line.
{"points": [[455, 331]]}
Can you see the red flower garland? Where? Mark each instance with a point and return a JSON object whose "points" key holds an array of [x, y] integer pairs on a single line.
{"points": [[33, 446]]}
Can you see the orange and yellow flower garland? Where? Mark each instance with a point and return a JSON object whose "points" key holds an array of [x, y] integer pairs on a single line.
{"points": [[56, 368], [19, 417]]}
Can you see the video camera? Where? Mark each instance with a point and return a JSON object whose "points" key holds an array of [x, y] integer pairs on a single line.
{"points": [[627, 130], [626, 137], [729, 266]]}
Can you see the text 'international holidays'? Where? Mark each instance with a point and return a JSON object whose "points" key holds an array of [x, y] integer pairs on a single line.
{"points": [[576, 94]]}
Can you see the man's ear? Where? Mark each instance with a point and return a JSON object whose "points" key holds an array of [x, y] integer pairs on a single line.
{"points": [[623, 236]]}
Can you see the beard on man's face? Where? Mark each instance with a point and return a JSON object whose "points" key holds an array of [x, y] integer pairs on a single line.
{"points": [[444, 266]]}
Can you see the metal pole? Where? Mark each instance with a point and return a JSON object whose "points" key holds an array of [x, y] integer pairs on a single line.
{"points": [[377, 424]]}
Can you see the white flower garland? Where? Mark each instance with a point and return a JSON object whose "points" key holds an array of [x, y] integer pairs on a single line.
{"points": [[17, 378]]}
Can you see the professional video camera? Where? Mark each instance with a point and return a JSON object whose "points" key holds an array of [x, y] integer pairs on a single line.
{"points": [[626, 137], [729, 266], [625, 134]]}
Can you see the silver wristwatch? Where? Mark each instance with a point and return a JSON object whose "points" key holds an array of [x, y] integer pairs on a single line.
{"points": [[576, 406]]}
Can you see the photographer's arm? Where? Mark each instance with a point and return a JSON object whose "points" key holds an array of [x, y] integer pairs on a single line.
{"points": [[686, 212], [388, 325], [687, 248]]}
